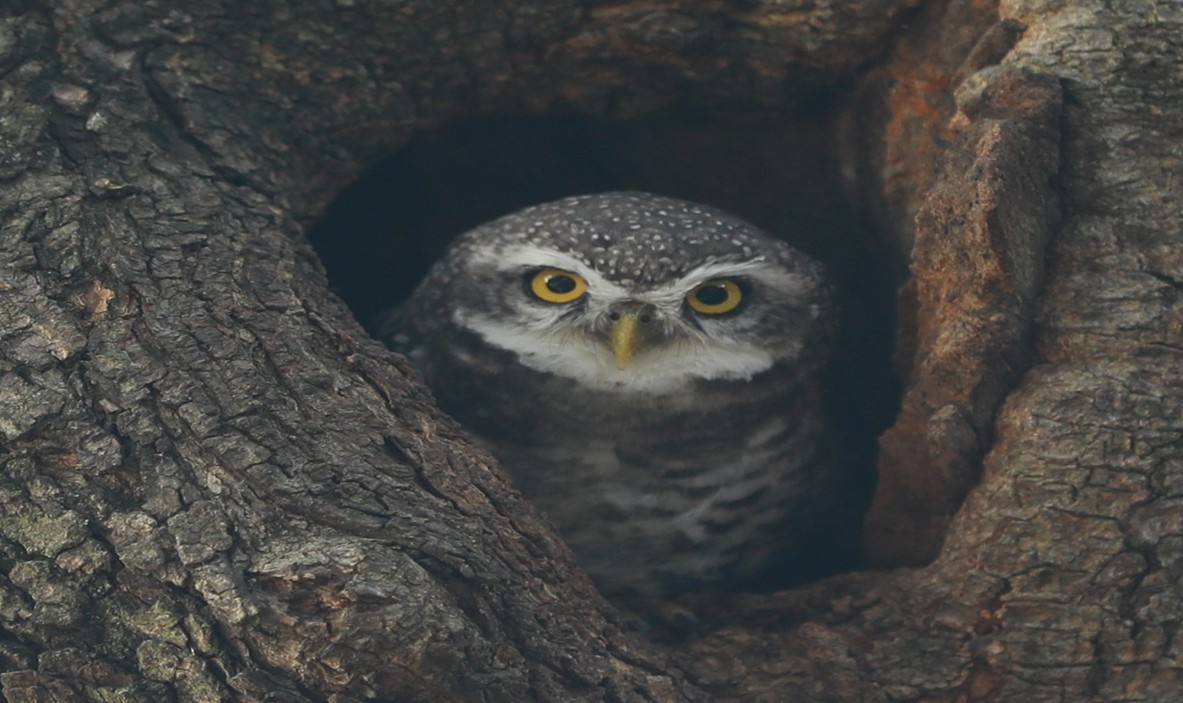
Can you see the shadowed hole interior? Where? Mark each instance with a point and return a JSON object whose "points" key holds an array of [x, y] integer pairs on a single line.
{"points": [[779, 171]]}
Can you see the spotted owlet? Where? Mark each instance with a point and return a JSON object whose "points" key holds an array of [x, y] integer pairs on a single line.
{"points": [[647, 371]]}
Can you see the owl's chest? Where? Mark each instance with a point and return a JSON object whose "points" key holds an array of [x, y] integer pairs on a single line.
{"points": [[652, 491], [664, 503], [510, 404], [561, 440]]}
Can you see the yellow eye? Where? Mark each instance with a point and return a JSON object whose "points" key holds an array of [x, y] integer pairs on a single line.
{"points": [[715, 297], [557, 286]]}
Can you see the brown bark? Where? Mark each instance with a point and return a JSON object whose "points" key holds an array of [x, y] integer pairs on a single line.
{"points": [[215, 486], [977, 263]]}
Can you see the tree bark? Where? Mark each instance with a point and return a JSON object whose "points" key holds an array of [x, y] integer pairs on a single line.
{"points": [[215, 486]]}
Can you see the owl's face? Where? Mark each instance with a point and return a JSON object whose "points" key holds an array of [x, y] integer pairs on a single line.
{"points": [[630, 292]]}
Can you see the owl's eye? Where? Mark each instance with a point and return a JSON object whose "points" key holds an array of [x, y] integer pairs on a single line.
{"points": [[715, 297], [557, 285]]}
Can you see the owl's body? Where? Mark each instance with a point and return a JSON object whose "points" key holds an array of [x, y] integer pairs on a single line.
{"points": [[647, 371]]}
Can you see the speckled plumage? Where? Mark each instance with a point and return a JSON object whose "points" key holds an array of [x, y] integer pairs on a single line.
{"points": [[697, 462]]}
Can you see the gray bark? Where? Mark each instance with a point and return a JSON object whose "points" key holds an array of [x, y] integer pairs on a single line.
{"points": [[215, 486]]}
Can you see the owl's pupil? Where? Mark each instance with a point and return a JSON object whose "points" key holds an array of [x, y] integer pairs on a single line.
{"points": [[560, 285], [711, 295]]}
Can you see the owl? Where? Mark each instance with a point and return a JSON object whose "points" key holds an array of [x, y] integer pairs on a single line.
{"points": [[647, 370]]}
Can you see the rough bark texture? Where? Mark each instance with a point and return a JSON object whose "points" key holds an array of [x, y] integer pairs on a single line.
{"points": [[977, 262], [214, 486]]}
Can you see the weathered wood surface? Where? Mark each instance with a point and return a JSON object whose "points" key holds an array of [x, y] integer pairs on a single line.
{"points": [[214, 486]]}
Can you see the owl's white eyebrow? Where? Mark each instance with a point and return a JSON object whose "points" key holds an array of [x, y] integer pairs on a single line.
{"points": [[527, 257], [758, 269]]}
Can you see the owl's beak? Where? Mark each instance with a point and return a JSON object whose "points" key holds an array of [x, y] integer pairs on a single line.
{"points": [[631, 327], [623, 337]]}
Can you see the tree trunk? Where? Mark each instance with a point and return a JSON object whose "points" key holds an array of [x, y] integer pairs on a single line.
{"points": [[215, 486]]}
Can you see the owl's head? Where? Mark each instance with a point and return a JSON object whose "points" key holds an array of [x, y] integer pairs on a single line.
{"points": [[632, 292]]}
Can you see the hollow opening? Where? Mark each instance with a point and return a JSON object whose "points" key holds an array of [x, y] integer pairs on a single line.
{"points": [[779, 171]]}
